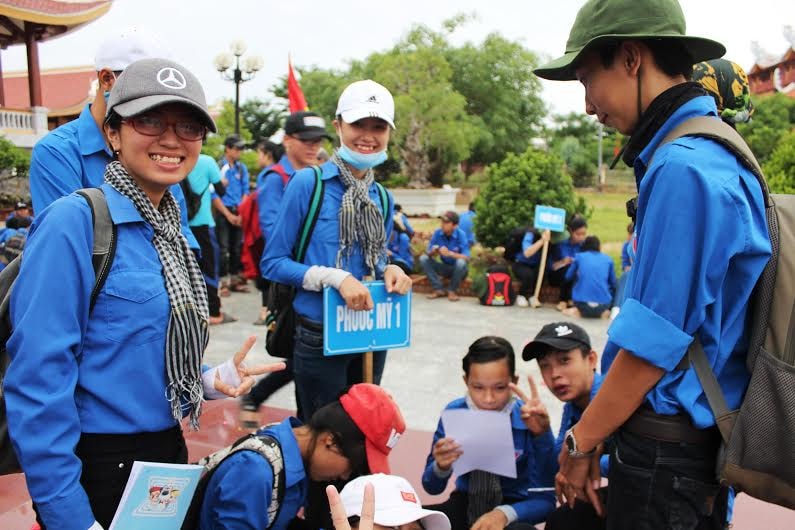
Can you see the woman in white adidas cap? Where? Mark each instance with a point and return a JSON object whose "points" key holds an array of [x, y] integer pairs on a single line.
{"points": [[97, 382], [348, 242]]}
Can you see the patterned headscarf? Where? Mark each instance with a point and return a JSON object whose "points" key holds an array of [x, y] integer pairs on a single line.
{"points": [[727, 83]]}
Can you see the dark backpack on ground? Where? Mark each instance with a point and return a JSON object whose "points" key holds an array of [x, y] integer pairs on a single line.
{"points": [[757, 456], [513, 243], [264, 445], [499, 287], [102, 258], [280, 322]]}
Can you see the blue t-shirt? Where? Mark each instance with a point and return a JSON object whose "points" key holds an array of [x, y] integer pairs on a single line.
{"points": [[466, 222], [237, 183], [456, 241], [594, 277], [527, 241], [201, 179], [702, 243]]}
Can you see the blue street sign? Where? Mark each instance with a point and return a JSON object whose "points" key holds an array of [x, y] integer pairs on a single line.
{"points": [[549, 218], [386, 327]]}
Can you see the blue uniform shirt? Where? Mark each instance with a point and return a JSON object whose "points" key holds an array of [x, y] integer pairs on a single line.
{"points": [[237, 183], [103, 373], [571, 415], [626, 256], [527, 242], [457, 242], [239, 492], [74, 156], [536, 464], [702, 244], [564, 249], [466, 222], [407, 225], [594, 277], [201, 179], [269, 196], [400, 246], [277, 261]]}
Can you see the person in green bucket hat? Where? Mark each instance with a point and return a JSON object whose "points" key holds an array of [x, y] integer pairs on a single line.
{"points": [[702, 243]]}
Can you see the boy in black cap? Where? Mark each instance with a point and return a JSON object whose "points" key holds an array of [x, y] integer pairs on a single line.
{"points": [[450, 244], [568, 365]]}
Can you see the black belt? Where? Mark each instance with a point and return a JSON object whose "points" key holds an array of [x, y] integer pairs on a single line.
{"points": [[676, 428], [311, 325]]}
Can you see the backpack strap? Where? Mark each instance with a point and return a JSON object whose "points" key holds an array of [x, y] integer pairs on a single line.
{"points": [[311, 216], [105, 235], [384, 196], [278, 168]]}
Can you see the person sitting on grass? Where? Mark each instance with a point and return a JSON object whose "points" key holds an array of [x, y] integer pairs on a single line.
{"points": [[594, 277], [450, 244]]}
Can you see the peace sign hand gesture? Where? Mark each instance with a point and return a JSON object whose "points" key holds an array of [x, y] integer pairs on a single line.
{"points": [[340, 518], [533, 412]]}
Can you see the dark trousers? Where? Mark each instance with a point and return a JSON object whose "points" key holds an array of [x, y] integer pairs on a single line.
{"points": [[455, 508], [320, 379], [107, 461], [558, 279], [581, 517], [208, 263], [230, 238], [527, 276], [272, 383], [664, 485], [402, 264]]}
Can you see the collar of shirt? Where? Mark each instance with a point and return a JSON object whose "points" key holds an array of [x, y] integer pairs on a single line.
{"points": [[700, 106], [122, 210], [285, 163], [293, 462], [89, 135]]}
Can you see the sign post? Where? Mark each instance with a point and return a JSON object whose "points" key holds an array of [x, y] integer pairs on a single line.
{"points": [[554, 220]]}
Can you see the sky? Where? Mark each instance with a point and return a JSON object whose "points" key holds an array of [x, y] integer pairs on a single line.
{"points": [[330, 34]]}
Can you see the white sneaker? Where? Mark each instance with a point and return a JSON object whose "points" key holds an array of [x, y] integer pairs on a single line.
{"points": [[521, 301], [614, 312]]}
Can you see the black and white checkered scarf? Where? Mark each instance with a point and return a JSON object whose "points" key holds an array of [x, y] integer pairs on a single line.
{"points": [[361, 220], [187, 324]]}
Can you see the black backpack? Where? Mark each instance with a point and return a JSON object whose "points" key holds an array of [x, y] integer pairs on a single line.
{"points": [[102, 258], [193, 200], [499, 287], [280, 322], [513, 243]]}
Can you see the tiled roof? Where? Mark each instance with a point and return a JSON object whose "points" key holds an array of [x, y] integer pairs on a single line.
{"points": [[54, 7], [61, 89]]}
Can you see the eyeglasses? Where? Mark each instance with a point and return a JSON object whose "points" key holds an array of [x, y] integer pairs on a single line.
{"points": [[153, 125]]}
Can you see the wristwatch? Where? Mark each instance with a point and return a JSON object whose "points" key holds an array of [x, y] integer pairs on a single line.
{"points": [[571, 445]]}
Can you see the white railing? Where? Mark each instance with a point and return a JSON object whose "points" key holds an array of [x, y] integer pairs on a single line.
{"points": [[16, 120], [23, 127]]}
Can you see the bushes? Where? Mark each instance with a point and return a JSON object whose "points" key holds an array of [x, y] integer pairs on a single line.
{"points": [[515, 186], [780, 168]]}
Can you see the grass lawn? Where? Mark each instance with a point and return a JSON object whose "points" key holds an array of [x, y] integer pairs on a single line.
{"points": [[608, 220]]}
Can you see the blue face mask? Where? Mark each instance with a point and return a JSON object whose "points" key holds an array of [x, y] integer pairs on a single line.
{"points": [[361, 161], [107, 96]]}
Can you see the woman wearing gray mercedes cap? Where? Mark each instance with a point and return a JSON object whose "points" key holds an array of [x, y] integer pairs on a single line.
{"points": [[96, 383]]}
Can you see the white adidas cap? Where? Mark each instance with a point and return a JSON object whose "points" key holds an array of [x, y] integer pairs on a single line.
{"points": [[120, 50], [366, 99], [396, 502]]}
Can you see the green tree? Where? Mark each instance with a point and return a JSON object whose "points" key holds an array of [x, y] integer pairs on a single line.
{"points": [[225, 123], [515, 186], [14, 161], [262, 118], [773, 117], [780, 167]]}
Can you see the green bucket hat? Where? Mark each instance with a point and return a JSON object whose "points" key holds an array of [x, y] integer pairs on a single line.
{"points": [[600, 21]]}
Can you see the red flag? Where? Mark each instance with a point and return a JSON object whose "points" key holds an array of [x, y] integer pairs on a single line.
{"points": [[295, 96]]}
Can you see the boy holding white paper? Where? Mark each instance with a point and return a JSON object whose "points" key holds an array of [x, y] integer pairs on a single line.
{"points": [[482, 500]]}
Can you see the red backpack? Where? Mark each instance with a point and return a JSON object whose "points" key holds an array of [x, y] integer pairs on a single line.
{"points": [[499, 288], [253, 242]]}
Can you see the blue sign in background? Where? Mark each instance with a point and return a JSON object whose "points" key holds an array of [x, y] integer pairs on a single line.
{"points": [[549, 218], [387, 326]]}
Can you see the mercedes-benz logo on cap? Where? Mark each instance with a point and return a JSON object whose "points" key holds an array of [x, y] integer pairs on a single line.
{"points": [[171, 78]]}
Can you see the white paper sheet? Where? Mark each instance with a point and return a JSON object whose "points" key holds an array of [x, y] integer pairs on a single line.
{"points": [[485, 438]]}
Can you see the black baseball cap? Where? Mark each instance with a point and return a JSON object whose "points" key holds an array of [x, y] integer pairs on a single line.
{"points": [[233, 140], [305, 125], [560, 336], [449, 216], [21, 205]]}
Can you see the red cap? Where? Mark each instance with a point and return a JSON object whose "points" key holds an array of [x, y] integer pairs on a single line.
{"points": [[379, 418]]}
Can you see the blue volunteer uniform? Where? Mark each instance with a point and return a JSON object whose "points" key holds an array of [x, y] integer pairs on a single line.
{"points": [[466, 222], [237, 183], [563, 249], [456, 241], [239, 492], [277, 263], [527, 241], [702, 244], [571, 415], [201, 179], [626, 255], [594, 277], [78, 374], [269, 196], [407, 225], [536, 465], [74, 156], [400, 246]]}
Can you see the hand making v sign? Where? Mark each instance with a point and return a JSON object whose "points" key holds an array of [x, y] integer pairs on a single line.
{"points": [[533, 412]]}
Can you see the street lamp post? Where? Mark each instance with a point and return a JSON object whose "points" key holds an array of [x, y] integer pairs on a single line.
{"points": [[233, 68]]}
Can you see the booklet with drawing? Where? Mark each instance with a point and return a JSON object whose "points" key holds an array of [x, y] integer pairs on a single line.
{"points": [[156, 497]]}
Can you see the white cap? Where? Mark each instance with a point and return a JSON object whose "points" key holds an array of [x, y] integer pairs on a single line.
{"points": [[396, 502], [120, 50], [366, 99]]}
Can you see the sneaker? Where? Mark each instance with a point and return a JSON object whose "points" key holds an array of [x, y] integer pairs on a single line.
{"points": [[521, 301]]}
